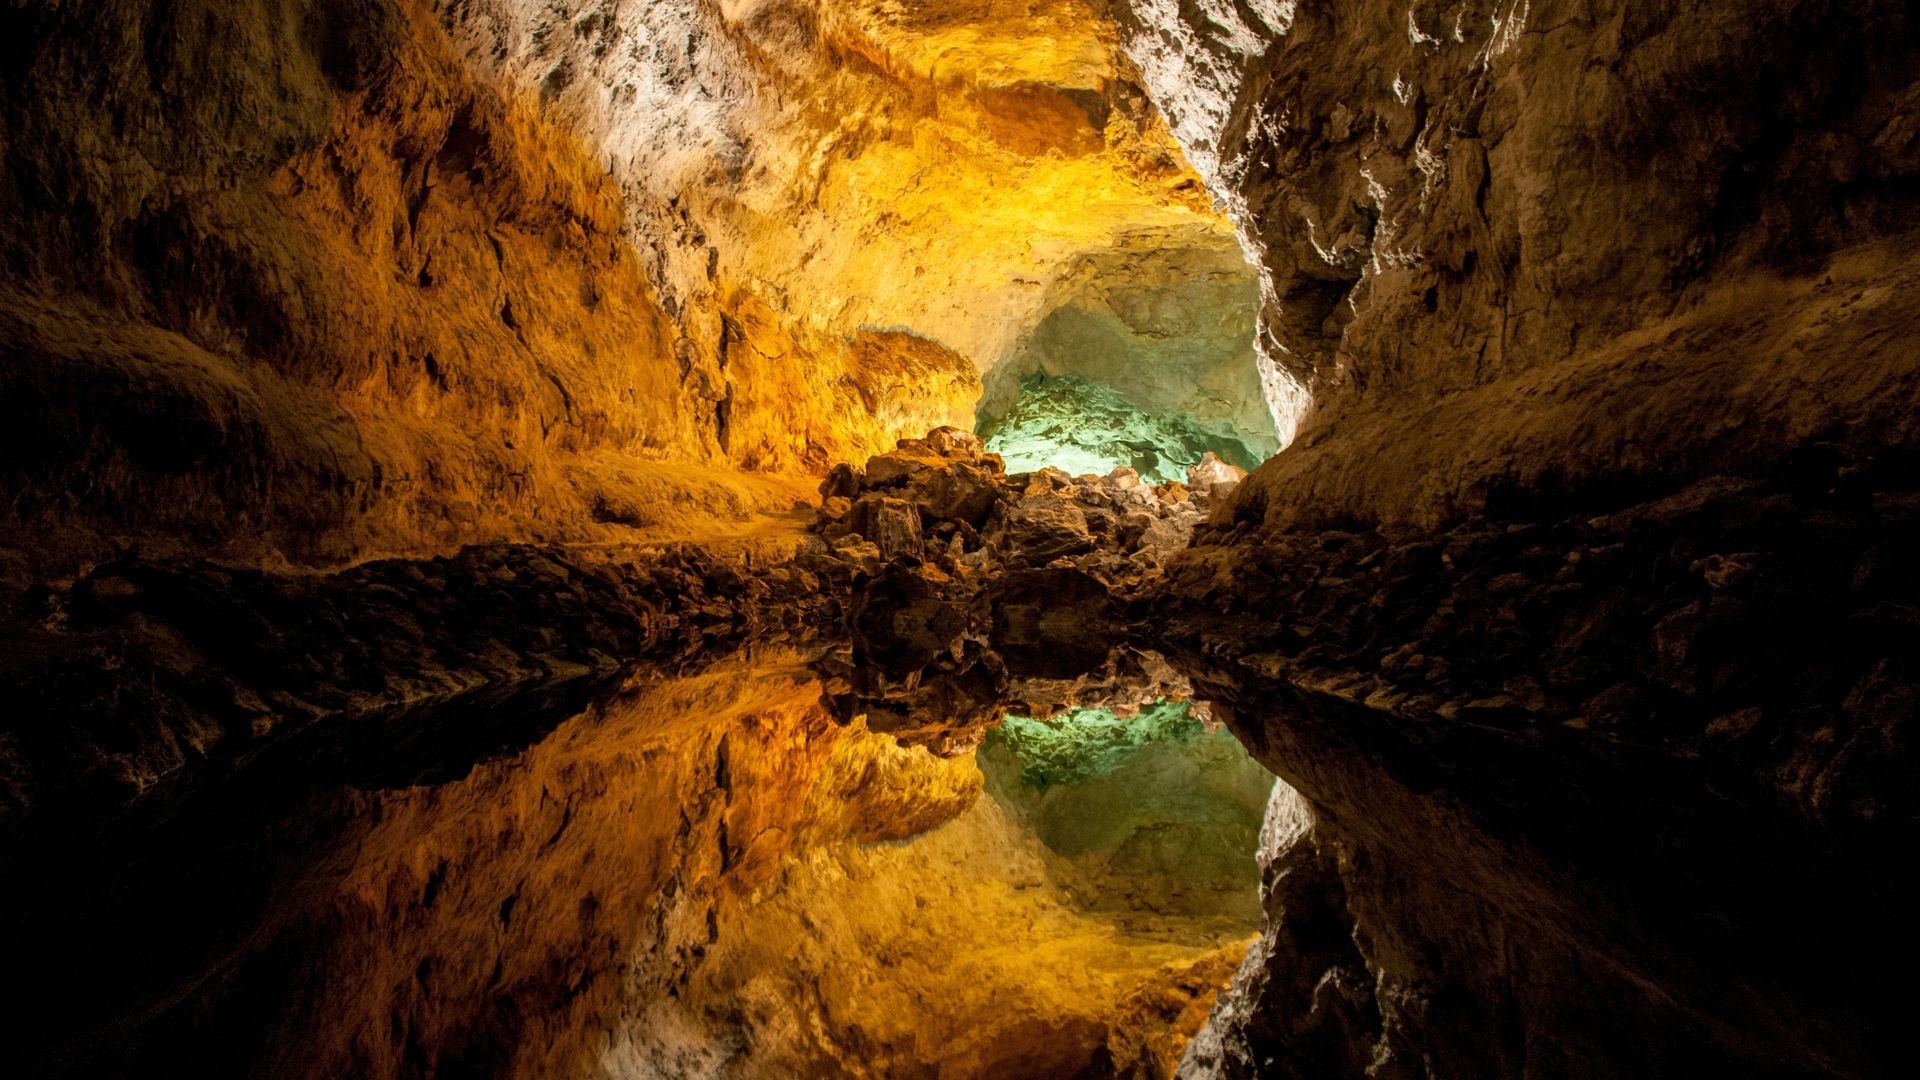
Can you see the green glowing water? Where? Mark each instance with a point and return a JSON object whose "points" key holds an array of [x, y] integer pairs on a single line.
{"points": [[1082, 426]]}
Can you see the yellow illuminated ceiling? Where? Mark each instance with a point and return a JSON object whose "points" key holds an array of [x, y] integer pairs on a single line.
{"points": [[1062, 43], [846, 210], [932, 167]]}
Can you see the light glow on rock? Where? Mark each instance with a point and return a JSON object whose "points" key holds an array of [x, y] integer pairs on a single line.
{"points": [[1081, 426]]}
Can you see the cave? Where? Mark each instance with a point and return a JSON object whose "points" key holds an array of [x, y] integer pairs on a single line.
{"points": [[964, 538]]}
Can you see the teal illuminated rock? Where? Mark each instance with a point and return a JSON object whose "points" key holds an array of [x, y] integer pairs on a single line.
{"points": [[1082, 426], [1085, 743]]}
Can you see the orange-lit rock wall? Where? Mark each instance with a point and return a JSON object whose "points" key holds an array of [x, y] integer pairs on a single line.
{"points": [[700, 876], [352, 277], [930, 166]]}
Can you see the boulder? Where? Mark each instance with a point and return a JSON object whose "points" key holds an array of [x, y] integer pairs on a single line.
{"points": [[1165, 536], [960, 491], [1211, 473], [951, 442], [894, 466], [1041, 528], [892, 524], [843, 481]]}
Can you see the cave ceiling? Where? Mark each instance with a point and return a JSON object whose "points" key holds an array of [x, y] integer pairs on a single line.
{"points": [[934, 167]]}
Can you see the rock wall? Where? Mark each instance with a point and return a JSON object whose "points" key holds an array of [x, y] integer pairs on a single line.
{"points": [[1606, 315], [289, 282], [856, 163], [1171, 329], [1559, 206], [385, 276]]}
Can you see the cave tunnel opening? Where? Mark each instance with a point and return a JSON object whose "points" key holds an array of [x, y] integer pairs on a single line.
{"points": [[1144, 359], [1080, 426]]}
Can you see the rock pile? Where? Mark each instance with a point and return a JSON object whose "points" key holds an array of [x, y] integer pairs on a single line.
{"points": [[973, 588], [945, 503]]}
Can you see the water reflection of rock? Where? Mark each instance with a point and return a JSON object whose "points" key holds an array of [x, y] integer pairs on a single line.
{"points": [[914, 927], [704, 872], [949, 704]]}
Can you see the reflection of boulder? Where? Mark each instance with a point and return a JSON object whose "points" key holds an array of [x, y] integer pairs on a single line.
{"points": [[1052, 622], [903, 616], [946, 706], [949, 703]]}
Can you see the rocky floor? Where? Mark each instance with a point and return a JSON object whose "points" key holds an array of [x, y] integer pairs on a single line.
{"points": [[140, 675]]}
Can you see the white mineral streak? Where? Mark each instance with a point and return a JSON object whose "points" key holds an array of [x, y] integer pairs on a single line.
{"points": [[1288, 822], [658, 86], [1192, 70], [662, 92], [1507, 29], [1288, 399]]}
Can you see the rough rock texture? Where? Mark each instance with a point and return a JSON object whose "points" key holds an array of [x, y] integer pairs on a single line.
{"points": [[388, 276], [855, 163], [1566, 204], [291, 282], [1567, 613], [1445, 194], [944, 505], [973, 591], [141, 679], [1170, 329], [1078, 426], [1658, 756]]}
